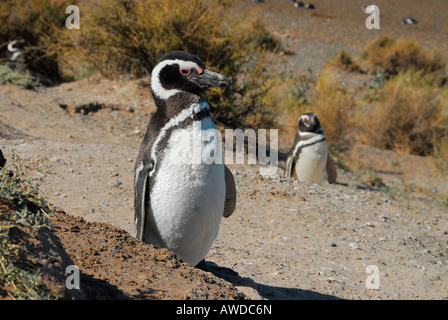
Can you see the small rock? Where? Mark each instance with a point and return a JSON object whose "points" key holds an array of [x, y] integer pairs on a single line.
{"points": [[354, 245], [333, 244]]}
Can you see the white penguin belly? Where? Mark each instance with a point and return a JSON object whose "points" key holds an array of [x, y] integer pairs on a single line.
{"points": [[187, 198], [311, 165]]}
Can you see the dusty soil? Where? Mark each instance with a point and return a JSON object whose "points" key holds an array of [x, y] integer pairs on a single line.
{"points": [[286, 240]]}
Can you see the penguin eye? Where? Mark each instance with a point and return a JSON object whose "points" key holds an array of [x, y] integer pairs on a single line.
{"points": [[185, 71]]}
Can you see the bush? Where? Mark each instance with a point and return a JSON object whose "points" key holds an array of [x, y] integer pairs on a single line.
{"points": [[123, 37], [126, 38], [344, 61], [411, 115], [23, 80], [394, 56]]}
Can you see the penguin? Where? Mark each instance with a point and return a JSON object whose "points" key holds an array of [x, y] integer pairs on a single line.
{"points": [[309, 6], [16, 51], [409, 21], [308, 160], [179, 202]]}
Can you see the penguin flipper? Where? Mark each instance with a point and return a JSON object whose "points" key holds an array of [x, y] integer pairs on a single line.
{"points": [[290, 162], [140, 203], [332, 172], [289, 166], [230, 201]]}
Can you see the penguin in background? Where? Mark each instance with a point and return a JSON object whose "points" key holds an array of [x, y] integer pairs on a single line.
{"points": [[16, 52], [308, 160], [179, 204]]}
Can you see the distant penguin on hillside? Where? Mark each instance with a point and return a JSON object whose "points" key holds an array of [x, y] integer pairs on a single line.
{"points": [[409, 21], [308, 160], [16, 54], [309, 6]]}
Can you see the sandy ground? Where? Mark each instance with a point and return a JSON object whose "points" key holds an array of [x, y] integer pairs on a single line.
{"points": [[286, 240]]}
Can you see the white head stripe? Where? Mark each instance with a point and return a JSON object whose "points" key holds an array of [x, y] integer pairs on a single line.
{"points": [[156, 86]]}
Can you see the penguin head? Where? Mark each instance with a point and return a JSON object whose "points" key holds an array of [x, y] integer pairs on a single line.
{"points": [[308, 122], [16, 45], [178, 71]]}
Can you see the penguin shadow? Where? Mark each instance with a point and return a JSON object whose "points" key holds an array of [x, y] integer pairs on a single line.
{"points": [[264, 291]]}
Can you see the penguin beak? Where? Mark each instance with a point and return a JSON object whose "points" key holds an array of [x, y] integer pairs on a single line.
{"points": [[209, 79]]}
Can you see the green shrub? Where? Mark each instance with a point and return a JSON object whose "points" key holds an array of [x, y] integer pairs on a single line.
{"points": [[23, 80]]}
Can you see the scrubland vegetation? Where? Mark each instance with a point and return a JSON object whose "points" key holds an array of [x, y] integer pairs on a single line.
{"points": [[21, 206]]}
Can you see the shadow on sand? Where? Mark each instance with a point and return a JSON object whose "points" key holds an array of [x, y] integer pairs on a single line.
{"points": [[264, 291]]}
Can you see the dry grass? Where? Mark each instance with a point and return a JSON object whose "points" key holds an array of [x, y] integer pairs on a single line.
{"points": [[411, 115], [344, 61], [394, 56]]}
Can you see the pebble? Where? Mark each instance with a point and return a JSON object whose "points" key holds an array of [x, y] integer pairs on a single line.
{"points": [[354, 245]]}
